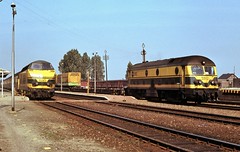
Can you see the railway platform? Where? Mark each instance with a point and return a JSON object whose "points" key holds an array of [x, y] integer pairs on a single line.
{"points": [[7, 97], [101, 96]]}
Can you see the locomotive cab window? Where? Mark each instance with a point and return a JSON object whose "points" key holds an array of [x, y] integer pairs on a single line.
{"points": [[41, 66], [209, 70], [36, 66], [197, 70]]}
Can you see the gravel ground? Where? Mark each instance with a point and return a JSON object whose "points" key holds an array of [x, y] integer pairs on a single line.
{"points": [[33, 127]]}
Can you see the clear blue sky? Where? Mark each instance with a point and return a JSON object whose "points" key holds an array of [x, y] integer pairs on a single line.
{"points": [[47, 29]]}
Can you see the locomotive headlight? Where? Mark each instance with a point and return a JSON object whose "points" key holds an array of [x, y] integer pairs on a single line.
{"points": [[34, 83], [212, 82], [50, 83], [197, 82]]}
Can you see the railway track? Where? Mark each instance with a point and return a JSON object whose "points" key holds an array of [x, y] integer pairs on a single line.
{"points": [[166, 137], [214, 105], [191, 114], [226, 102], [78, 96], [217, 106]]}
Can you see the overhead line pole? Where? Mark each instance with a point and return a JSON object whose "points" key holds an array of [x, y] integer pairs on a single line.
{"points": [[95, 72], [106, 57]]}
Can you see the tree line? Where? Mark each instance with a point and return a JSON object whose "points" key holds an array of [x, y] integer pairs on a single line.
{"points": [[73, 61]]}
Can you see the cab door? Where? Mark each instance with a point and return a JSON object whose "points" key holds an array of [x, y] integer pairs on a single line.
{"points": [[183, 76]]}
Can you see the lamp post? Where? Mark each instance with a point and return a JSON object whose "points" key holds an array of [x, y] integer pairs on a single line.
{"points": [[88, 82], [14, 12], [61, 81], [95, 72], [62, 64]]}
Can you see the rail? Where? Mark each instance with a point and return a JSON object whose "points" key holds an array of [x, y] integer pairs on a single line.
{"points": [[185, 113]]}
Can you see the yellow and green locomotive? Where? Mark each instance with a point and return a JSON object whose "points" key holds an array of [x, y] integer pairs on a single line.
{"points": [[184, 78], [36, 80]]}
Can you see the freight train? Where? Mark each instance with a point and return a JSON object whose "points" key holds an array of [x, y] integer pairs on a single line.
{"points": [[116, 87], [36, 80], [71, 81], [180, 79]]}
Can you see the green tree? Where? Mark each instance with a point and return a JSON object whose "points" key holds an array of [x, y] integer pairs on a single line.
{"points": [[85, 66], [97, 63], [71, 62], [129, 66], [74, 62]]}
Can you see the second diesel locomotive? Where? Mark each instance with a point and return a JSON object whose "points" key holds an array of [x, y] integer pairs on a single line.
{"points": [[182, 79], [36, 80]]}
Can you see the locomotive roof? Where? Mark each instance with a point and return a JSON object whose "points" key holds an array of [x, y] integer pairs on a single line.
{"points": [[29, 65], [180, 61]]}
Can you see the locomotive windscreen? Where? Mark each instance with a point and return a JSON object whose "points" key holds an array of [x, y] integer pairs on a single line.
{"points": [[200, 70], [41, 66]]}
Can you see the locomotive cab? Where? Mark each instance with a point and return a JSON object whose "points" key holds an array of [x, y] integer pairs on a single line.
{"points": [[37, 80], [204, 82]]}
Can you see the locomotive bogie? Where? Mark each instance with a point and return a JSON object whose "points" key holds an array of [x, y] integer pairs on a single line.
{"points": [[40, 93]]}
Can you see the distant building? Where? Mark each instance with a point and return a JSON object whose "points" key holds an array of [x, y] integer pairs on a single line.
{"points": [[236, 83], [228, 80]]}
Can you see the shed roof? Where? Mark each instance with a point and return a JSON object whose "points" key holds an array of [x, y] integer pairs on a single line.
{"points": [[227, 75], [4, 72]]}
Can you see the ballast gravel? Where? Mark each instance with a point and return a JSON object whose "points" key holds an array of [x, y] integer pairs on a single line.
{"points": [[33, 127]]}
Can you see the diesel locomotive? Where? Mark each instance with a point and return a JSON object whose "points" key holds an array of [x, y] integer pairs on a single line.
{"points": [[180, 79], [36, 80]]}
